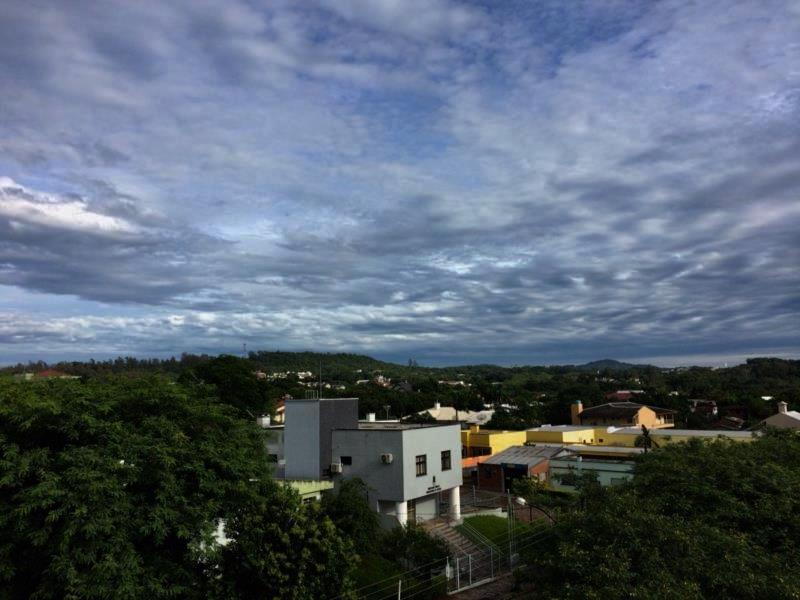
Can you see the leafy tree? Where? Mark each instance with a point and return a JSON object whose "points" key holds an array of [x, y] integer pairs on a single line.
{"points": [[707, 519], [114, 489], [414, 548], [236, 383], [282, 550], [349, 509]]}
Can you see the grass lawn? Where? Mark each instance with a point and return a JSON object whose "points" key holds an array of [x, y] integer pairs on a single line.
{"points": [[494, 528]]}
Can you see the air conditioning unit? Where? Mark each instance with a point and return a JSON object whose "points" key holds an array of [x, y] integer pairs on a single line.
{"points": [[387, 458], [336, 467]]}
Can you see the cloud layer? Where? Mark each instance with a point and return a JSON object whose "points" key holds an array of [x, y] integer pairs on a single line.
{"points": [[510, 182]]}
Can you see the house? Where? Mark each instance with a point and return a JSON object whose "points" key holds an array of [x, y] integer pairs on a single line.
{"points": [[499, 471], [485, 442], [450, 413], [783, 419], [703, 407], [411, 470], [622, 414]]}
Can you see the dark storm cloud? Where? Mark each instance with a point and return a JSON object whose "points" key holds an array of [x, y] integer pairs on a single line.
{"points": [[453, 181]]}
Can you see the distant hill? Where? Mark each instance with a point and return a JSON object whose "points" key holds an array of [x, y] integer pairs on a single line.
{"points": [[331, 362], [611, 365]]}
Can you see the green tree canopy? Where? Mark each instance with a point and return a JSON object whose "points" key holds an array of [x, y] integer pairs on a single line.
{"points": [[114, 490], [236, 384], [348, 508], [699, 520]]}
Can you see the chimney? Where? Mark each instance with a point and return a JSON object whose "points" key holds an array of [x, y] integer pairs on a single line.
{"points": [[575, 410], [436, 406], [782, 407], [371, 417]]}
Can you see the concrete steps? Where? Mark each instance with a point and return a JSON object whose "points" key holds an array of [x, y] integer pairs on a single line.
{"points": [[458, 543]]}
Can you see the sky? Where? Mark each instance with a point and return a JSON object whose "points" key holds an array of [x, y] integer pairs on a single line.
{"points": [[532, 182]]}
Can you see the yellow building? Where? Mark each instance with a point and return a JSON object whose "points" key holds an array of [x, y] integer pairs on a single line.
{"points": [[561, 434], [478, 442], [626, 436], [622, 414], [623, 436]]}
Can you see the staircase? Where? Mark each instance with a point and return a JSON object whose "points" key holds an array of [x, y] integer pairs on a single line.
{"points": [[459, 544], [475, 564]]}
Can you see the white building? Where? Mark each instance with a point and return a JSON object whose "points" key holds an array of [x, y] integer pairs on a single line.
{"points": [[450, 413], [413, 471]]}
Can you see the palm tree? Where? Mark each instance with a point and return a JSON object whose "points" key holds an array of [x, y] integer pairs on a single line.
{"points": [[645, 441]]}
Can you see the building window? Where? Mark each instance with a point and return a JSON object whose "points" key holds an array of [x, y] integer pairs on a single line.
{"points": [[346, 460], [446, 460], [422, 465]]}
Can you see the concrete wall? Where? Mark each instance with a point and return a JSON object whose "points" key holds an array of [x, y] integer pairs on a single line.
{"points": [[274, 443], [307, 433], [398, 481], [543, 435], [477, 442], [334, 413], [365, 447], [430, 441], [301, 439]]}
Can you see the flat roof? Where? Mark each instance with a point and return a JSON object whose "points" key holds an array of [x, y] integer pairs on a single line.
{"points": [[583, 460], [524, 455], [666, 432], [318, 399], [625, 450], [394, 426], [561, 428]]}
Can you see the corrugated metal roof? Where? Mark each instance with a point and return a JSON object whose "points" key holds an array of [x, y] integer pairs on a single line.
{"points": [[524, 455]]}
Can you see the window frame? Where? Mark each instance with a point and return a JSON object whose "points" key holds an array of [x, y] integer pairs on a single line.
{"points": [[423, 463], [449, 456]]}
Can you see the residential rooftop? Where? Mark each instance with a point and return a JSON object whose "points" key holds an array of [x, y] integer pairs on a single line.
{"points": [[614, 410], [561, 428], [395, 426], [707, 433], [524, 455]]}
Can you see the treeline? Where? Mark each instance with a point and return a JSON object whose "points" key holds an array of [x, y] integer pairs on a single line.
{"points": [[531, 395], [146, 487]]}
